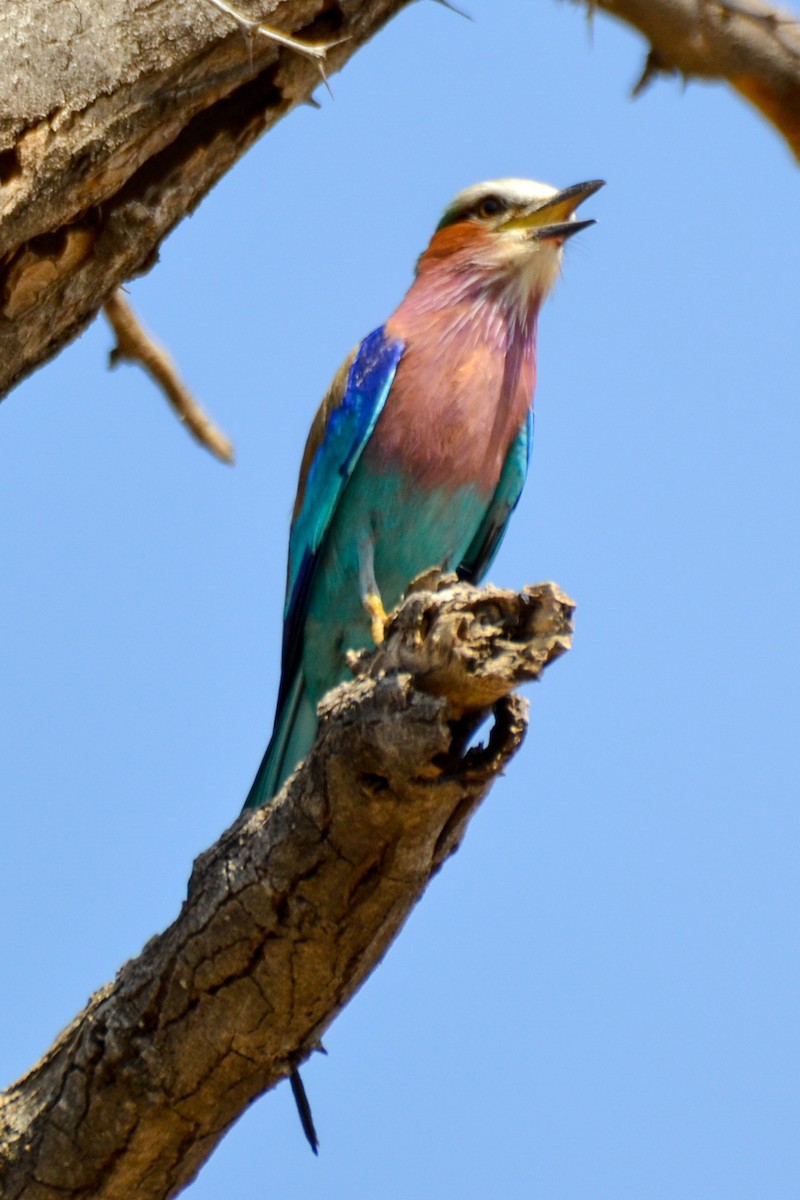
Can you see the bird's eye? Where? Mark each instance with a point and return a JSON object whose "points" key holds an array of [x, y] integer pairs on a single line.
{"points": [[491, 206]]}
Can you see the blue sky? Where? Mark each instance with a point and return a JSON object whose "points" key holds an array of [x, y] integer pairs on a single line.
{"points": [[598, 996]]}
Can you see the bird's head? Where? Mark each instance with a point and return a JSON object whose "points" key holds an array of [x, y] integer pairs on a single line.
{"points": [[508, 235]]}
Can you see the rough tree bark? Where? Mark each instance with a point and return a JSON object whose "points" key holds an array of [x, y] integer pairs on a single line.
{"points": [[290, 911]]}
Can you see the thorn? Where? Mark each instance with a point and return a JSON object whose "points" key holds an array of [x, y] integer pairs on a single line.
{"points": [[458, 11], [591, 12], [654, 65], [321, 67], [304, 1110], [374, 606]]}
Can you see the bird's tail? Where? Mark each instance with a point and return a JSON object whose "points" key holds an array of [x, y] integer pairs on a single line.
{"points": [[292, 738]]}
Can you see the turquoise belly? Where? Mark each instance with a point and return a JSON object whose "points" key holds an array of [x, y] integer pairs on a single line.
{"points": [[410, 530]]}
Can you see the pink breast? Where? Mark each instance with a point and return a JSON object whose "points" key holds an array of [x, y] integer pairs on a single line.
{"points": [[461, 393]]}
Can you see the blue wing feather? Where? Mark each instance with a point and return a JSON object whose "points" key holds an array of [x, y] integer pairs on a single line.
{"points": [[346, 433], [486, 543], [336, 443]]}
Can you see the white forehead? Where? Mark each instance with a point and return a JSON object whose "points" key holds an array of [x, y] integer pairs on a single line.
{"points": [[516, 191]]}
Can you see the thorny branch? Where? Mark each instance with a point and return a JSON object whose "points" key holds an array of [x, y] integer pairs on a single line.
{"points": [[753, 46], [316, 51], [290, 911]]}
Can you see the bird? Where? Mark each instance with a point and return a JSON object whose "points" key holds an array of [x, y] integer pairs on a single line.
{"points": [[419, 451]]}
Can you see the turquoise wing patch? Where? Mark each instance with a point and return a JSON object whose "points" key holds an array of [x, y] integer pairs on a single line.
{"points": [[349, 427], [486, 543]]}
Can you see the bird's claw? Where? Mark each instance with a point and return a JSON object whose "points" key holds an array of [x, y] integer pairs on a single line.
{"points": [[455, 9], [379, 619]]}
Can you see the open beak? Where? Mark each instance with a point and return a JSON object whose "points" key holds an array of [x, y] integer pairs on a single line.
{"points": [[554, 218]]}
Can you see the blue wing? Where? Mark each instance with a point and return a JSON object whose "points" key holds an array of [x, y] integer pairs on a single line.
{"points": [[486, 543], [346, 423], [338, 436]]}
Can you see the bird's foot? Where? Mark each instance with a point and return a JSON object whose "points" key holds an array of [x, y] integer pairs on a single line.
{"points": [[374, 606]]}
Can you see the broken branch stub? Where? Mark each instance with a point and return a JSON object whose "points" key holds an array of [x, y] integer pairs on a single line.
{"points": [[475, 645]]}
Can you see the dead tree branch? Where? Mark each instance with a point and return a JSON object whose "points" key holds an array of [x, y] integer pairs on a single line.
{"points": [[753, 46], [135, 344], [289, 912]]}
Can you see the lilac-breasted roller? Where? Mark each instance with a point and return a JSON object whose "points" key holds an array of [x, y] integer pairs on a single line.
{"points": [[419, 451]]}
